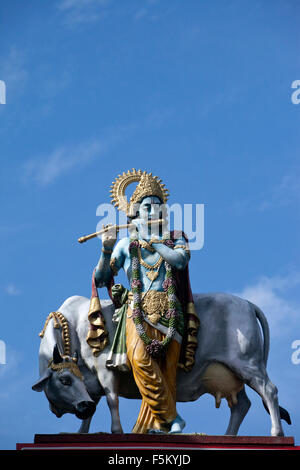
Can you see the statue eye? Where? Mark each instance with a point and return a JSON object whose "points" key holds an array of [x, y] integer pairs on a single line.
{"points": [[66, 380]]}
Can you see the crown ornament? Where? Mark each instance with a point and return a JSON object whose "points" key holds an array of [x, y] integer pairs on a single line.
{"points": [[148, 185]]}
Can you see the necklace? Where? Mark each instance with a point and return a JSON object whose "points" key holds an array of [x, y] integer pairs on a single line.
{"points": [[153, 269], [146, 245], [154, 347]]}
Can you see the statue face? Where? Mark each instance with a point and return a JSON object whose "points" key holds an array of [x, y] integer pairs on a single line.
{"points": [[150, 208]]}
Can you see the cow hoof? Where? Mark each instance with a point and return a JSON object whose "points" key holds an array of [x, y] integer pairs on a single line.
{"points": [[277, 434]]}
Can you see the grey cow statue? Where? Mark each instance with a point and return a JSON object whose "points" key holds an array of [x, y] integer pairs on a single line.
{"points": [[232, 352]]}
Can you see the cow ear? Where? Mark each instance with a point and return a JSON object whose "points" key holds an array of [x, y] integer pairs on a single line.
{"points": [[56, 355], [41, 383]]}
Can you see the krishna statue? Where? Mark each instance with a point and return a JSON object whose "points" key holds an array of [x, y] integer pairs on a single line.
{"points": [[156, 319]]}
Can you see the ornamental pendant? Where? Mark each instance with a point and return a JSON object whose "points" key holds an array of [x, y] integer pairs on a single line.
{"points": [[152, 275]]}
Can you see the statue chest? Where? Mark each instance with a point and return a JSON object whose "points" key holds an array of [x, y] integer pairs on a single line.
{"points": [[152, 270]]}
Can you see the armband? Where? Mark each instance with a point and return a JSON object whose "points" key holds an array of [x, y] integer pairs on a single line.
{"points": [[113, 266], [183, 247]]}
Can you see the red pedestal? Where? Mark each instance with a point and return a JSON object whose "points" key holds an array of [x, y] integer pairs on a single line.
{"points": [[116, 443]]}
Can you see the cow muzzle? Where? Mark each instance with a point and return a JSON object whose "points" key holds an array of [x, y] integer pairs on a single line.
{"points": [[85, 409]]}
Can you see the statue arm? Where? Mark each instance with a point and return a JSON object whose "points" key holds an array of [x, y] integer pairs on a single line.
{"points": [[177, 257], [109, 264]]}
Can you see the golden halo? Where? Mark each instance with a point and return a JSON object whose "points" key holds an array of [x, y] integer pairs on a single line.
{"points": [[149, 185]]}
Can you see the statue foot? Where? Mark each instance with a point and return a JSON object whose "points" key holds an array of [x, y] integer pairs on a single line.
{"points": [[177, 425]]}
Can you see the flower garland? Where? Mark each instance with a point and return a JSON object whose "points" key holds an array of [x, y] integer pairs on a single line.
{"points": [[154, 347]]}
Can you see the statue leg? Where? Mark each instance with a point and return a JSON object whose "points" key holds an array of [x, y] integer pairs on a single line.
{"points": [[238, 412], [156, 380]]}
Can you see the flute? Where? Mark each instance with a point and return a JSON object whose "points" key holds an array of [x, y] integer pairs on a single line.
{"points": [[117, 228]]}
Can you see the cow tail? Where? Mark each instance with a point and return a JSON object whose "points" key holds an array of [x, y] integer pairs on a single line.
{"points": [[265, 329]]}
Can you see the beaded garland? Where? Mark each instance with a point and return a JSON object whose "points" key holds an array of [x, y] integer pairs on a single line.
{"points": [[154, 347]]}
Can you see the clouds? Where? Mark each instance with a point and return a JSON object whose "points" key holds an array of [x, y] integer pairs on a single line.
{"points": [[285, 193], [274, 296], [14, 71], [77, 12], [145, 11], [86, 12], [11, 289], [45, 170]]}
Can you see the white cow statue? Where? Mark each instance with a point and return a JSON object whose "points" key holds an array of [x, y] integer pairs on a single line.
{"points": [[232, 352]]}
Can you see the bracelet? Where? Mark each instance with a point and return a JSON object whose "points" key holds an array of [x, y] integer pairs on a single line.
{"points": [[155, 240], [113, 266], [183, 247], [106, 250]]}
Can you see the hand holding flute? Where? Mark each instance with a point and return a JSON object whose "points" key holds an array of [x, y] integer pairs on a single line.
{"points": [[109, 232]]}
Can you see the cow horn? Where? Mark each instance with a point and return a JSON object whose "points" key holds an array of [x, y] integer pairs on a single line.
{"points": [[56, 355]]}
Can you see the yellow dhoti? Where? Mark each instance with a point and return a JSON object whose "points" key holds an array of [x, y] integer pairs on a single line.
{"points": [[156, 379]]}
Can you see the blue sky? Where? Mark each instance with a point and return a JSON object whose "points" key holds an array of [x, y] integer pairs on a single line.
{"points": [[197, 92]]}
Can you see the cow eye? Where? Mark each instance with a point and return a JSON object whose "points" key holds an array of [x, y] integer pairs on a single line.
{"points": [[66, 380]]}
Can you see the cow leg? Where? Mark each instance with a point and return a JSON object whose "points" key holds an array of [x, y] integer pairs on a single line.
{"points": [[85, 425], [238, 413], [109, 383], [261, 383], [113, 404]]}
